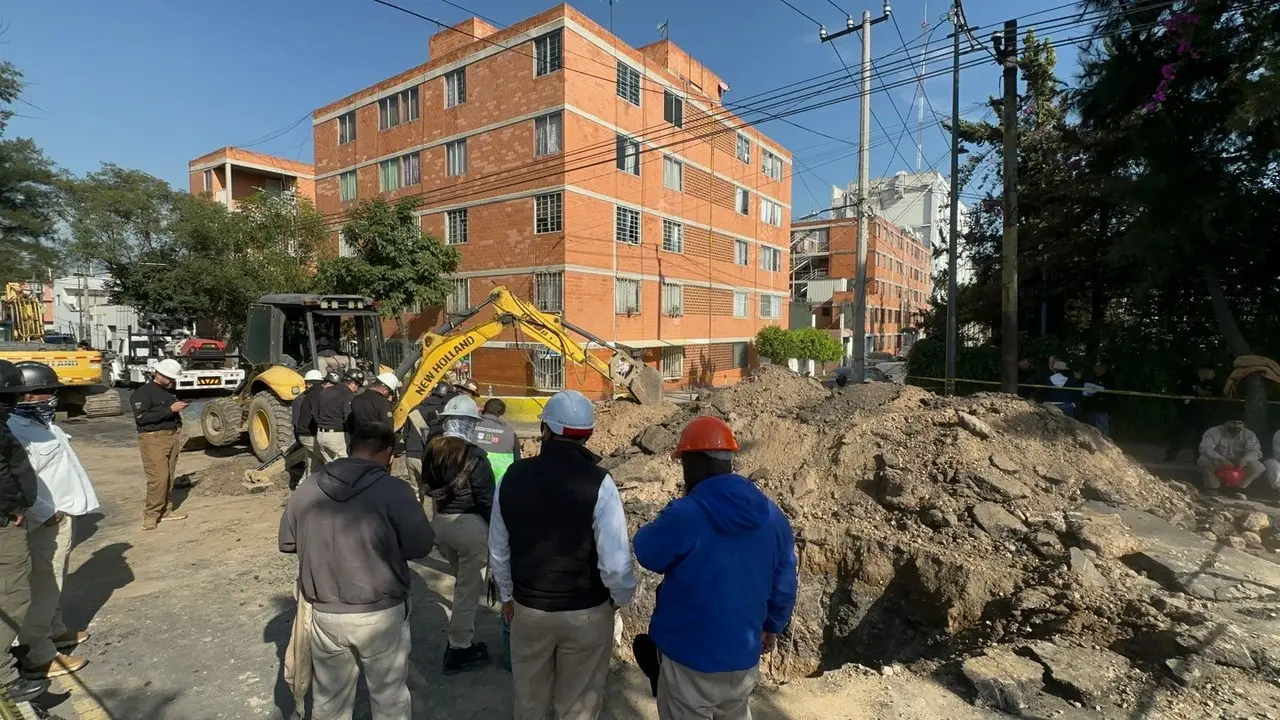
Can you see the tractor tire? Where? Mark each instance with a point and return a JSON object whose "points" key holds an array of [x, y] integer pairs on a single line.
{"points": [[105, 404], [222, 421], [270, 426]]}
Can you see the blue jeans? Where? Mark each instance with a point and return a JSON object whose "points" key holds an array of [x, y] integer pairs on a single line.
{"points": [[1102, 421], [1067, 408]]}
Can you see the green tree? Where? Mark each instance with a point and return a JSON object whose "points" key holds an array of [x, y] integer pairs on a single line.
{"points": [[815, 344], [29, 197], [395, 262], [775, 343]]}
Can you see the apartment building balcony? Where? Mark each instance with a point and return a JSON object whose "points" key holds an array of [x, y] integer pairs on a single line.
{"points": [[230, 175]]}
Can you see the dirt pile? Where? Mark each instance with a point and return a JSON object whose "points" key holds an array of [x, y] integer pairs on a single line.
{"points": [[929, 529]]}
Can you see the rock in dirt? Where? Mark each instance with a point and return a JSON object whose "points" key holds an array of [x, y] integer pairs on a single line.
{"points": [[1085, 571], [996, 520], [1055, 474], [1255, 522], [1003, 462], [656, 440], [1004, 681], [1090, 675], [1251, 539], [1106, 535], [975, 426], [1222, 643], [998, 487], [1191, 671]]}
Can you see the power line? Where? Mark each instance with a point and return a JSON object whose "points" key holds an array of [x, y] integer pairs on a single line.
{"points": [[805, 14]]}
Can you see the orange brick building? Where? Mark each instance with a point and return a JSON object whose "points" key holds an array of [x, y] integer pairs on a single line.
{"points": [[230, 175], [602, 181], [824, 270]]}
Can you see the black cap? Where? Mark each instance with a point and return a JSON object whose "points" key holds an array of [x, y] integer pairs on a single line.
{"points": [[37, 376], [10, 378]]}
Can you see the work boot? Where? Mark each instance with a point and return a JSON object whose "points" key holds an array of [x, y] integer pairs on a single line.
{"points": [[150, 523], [460, 660], [70, 639], [24, 689], [60, 665]]}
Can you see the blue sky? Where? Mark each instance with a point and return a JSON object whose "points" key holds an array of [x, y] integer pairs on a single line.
{"points": [[151, 84]]}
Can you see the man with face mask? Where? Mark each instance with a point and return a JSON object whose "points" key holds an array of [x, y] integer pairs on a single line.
{"points": [[1230, 445], [727, 558], [63, 493], [158, 415]]}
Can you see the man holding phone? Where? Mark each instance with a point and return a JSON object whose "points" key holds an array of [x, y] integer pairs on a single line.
{"points": [[158, 414]]}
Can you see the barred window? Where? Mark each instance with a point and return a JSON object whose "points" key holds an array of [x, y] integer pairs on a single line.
{"points": [[549, 291], [770, 307], [455, 87], [547, 51], [740, 304], [548, 212], [672, 236], [672, 300], [459, 297], [455, 227], [672, 363], [627, 225], [628, 83], [548, 370], [626, 296]]}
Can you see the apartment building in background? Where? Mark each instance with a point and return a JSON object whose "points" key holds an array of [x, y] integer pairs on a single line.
{"points": [[823, 281], [229, 175], [600, 181]]}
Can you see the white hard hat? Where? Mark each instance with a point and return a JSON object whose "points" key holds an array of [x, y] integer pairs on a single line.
{"points": [[461, 406], [313, 376], [569, 410], [169, 368], [390, 380]]}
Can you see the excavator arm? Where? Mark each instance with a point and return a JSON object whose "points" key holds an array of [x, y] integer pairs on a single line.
{"points": [[443, 348]]}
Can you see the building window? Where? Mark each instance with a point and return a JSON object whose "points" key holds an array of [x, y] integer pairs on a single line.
{"points": [[626, 225], [628, 155], [455, 87], [455, 227], [207, 179], [742, 200], [672, 108], [626, 296], [740, 305], [672, 236], [347, 186], [549, 291], [740, 355], [771, 164], [399, 108], [770, 307], [389, 175], [548, 370], [744, 148], [410, 169], [459, 297], [546, 50], [770, 212], [672, 173], [672, 300], [672, 363], [345, 247], [346, 127], [741, 253], [770, 259], [456, 157], [628, 83], [547, 134], [548, 212]]}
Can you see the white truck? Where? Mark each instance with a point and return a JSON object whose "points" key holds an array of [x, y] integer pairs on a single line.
{"points": [[205, 363]]}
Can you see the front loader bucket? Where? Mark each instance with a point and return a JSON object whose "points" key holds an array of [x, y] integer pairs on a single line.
{"points": [[645, 384]]}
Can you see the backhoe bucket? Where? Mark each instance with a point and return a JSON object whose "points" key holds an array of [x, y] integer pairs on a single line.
{"points": [[645, 384]]}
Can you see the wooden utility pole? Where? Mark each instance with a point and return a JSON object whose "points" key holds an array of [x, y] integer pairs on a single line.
{"points": [[1009, 268]]}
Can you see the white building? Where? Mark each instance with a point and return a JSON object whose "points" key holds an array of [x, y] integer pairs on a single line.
{"points": [[81, 307]]}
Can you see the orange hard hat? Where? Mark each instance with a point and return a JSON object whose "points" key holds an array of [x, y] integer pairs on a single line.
{"points": [[706, 433]]}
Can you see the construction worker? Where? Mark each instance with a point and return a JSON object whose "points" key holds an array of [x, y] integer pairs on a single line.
{"points": [[373, 406], [304, 421], [559, 554], [727, 556], [457, 475], [1230, 445], [354, 528], [332, 406], [157, 412], [423, 424], [1272, 464], [497, 438], [18, 492], [63, 493], [469, 387]]}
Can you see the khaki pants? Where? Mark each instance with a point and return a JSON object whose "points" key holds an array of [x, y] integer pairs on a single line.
{"points": [[414, 466], [1252, 470], [308, 443], [560, 658], [685, 694], [463, 539], [331, 445], [159, 461], [49, 545], [342, 644], [15, 591], [1273, 472], [297, 655]]}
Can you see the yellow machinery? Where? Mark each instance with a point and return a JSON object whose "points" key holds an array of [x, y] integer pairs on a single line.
{"points": [[25, 314]]}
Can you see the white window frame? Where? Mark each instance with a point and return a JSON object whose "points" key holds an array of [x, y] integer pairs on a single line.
{"points": [[770, 307], [550, 45], [672, 236], [627, 155], [623, 229], [741, 304], [552, 206], [672, 173], [549, 291], [672, 361], [743, 149], [672, 299], [405, 107], [628, 83], [459, 297], [770, 259], [548, 369], [206, 178], [770, 212], [455, 87], [627, 291], [771, 164], [455, 158], [455, 226], [544, 148], [672, 108], [742, 200], [741, 253], [355, 186], [347, 127]]}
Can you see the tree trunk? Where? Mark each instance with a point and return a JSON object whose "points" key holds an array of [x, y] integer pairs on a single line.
{"points": [[1255, 403], [1098, 294]]}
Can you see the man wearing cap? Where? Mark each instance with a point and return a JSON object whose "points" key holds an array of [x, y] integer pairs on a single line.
{"points": [[373, 407], [63, 493], [332, 406], [158, 415], [559, 554], [497, 438], [304, 420], [727, 556]]}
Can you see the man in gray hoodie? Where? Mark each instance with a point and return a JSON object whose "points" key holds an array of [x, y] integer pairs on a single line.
{"points": [[354, 527]]}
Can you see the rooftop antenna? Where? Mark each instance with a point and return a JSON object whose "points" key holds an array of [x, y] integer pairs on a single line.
{"points": [[924, 54]]}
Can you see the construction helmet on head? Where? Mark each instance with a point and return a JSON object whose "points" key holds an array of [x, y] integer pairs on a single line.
{"points": [[390, 380], [313, 376], [169, 368], [706, 434], [37, 376], [467, 385], [461, 406], [353, 375], [569, 413], [10, 378], [332, 377]]}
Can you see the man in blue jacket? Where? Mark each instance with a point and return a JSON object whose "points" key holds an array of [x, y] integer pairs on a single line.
{"points": [[727, 556]]}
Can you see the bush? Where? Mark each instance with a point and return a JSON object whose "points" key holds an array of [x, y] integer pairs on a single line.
{"points": [[817, 345], [775, 343]]}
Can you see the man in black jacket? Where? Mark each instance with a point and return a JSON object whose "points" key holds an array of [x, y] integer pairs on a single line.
{"points": [[332, 406], [373, 406], [304, 420], [424, 424], [158, 415], [17, 495]]}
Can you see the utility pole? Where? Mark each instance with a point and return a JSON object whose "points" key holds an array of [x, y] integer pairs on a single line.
{"points": [[1007, 51], [954, 235], [864, 182]]}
